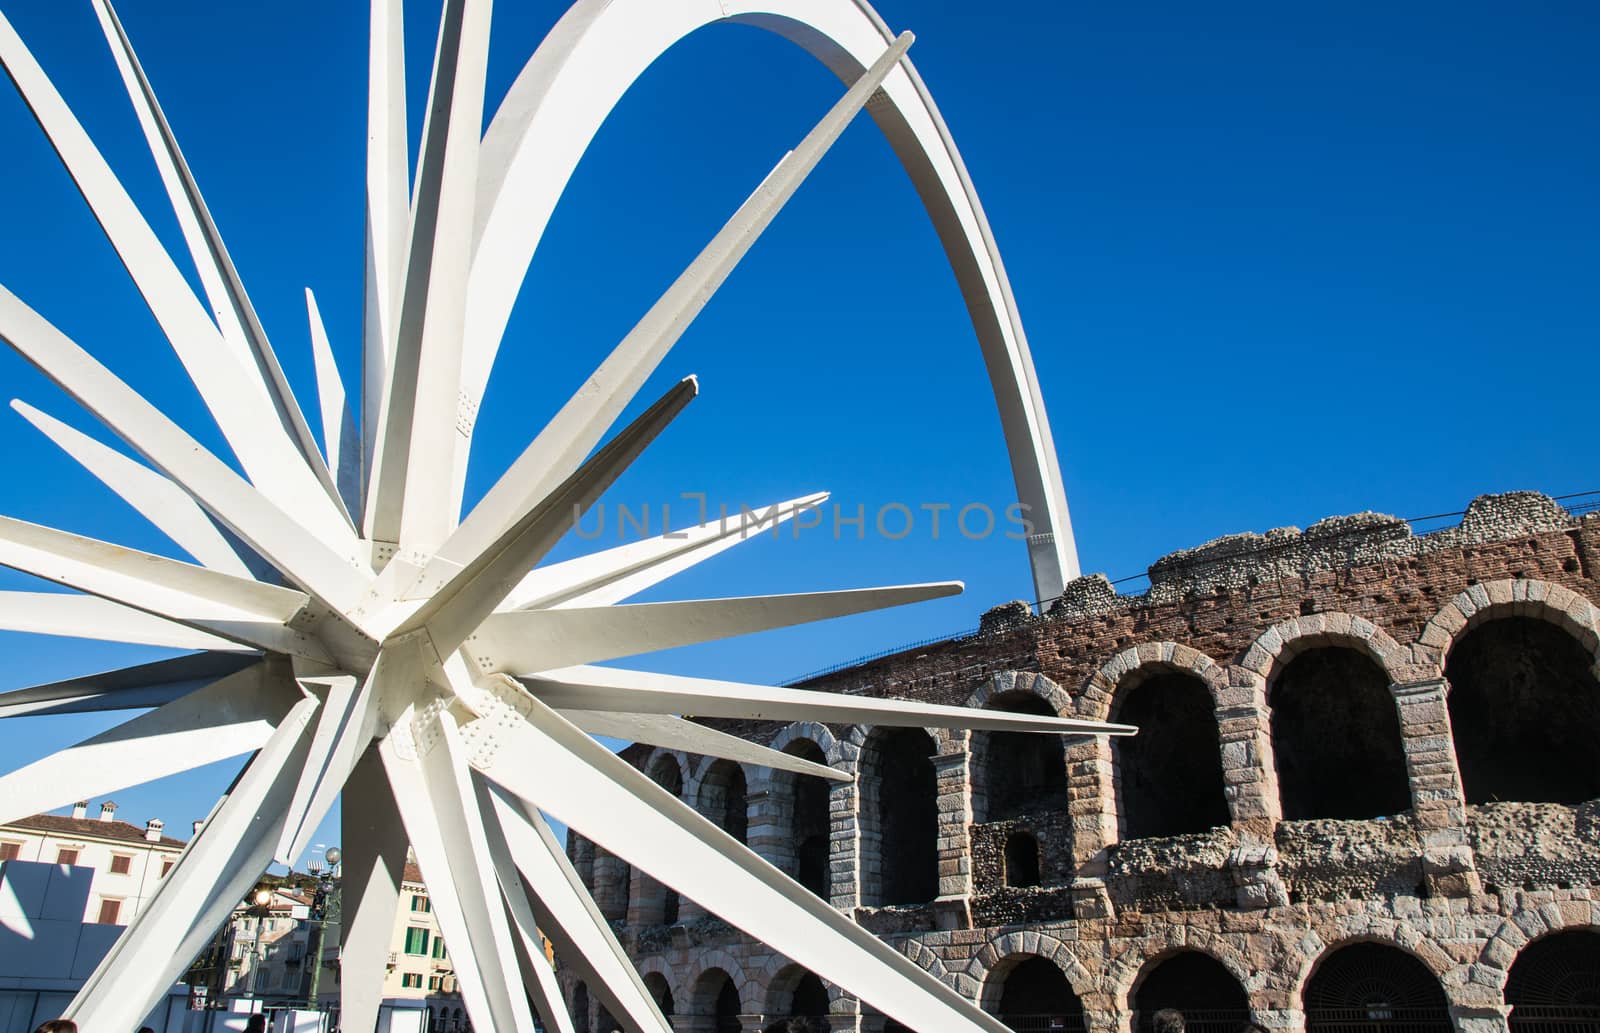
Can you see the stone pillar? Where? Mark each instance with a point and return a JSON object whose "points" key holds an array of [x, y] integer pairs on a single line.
{"points": [[771, 810], [955, 818], [610, 885], [1279, 1020], [1091, 804], [1484, 1018], [750, 1023], [1436, 793]]}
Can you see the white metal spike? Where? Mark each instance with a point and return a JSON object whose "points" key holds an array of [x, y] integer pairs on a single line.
{"points": [[83, 616], [458, 606], [415, 453], [233, 715], [615, 689], [282, 541], [345, 727], [128, 688], [212, 875], [238, 398], [574, 779], [374, 843], [567, 914], [388, 213], [613, 575], [529, 641], [574, 430], [338, 423], [156, 498], [230, 304], [435, 796], [674, 733], [538, 977]]}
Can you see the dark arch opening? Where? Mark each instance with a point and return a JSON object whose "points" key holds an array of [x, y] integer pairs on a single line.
{"points": [[729, 1008], [1555, 983], [723, 799], [580, 1008], [811, 824], [1171, 772], [1022, 859], [1336, 738], [607, 1023], [1024, 772], [660, 992], [901, 807], [1373, 988], [1197, 986], [1035, 996], [808, 1008], [1525, 713]]}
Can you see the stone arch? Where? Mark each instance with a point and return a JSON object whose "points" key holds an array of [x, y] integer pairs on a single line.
{"points": [[1125, 670], [1334, 716], [1311, 950], [897, 821], [657, 760], [986, 970], [1523, 702], [1285, 640], [650, 901], [1415, 998], [1513, 597], [654, 965], [1527, 926], [1124, 976], [782, 977], [1191, 979], [723, 795], [711, 964], [1005, 768], [1555, 977], [794, 811]]}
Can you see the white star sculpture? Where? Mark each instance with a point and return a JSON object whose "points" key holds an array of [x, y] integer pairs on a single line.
{"points": [[354, 635]]}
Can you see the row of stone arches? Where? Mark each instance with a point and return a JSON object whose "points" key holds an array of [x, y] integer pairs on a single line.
{"points": [[1354, 986], [1315, 721]]}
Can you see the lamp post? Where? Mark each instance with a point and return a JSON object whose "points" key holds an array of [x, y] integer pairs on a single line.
{"points": [[324, 909]]}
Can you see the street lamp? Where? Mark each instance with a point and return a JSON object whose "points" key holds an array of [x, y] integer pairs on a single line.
{"points": [[324, 908]]}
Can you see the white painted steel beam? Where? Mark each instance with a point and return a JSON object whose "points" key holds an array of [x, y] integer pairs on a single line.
{"points": [[84, 616], [612, 575], [231, 716], [128, 688], [567, 914], [339, 434], [640, 692], [529, 641], [674, 733], [156, 498], [591, 58], [213, 874], [373, 840], [566, 774]]}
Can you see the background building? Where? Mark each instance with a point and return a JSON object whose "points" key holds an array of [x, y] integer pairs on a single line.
{"points": [[1365, 796], [128, 862]]}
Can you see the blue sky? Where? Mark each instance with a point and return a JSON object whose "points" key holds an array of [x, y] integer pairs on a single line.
{"points": [[1274, 263]]}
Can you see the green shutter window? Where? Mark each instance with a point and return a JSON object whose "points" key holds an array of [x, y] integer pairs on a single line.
{"points": [[417, 941], [438, 947], [421, 903]]}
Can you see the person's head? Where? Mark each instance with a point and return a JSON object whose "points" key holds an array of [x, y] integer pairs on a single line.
{"points": [[146, 1029], [1167, 1020], [57, 1026], [256, 1023]]}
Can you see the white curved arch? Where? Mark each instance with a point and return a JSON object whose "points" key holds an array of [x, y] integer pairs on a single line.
{"points": [[581, 71]]}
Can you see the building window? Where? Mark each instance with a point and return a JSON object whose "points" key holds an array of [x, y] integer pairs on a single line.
{"points": [[421, 903], [438, 946], [411, 980], [10, 851], [166, 866], [121, 864], [110, 911], [417, 941], [434, 982], [65, 856]]}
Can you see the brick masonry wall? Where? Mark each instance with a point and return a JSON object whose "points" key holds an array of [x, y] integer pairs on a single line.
{"points": [[1460, 888]]}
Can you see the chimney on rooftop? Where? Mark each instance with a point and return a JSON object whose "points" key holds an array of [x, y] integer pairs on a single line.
{"points": [[80, 809], [152, 829], [107, 811], [198, 825]]}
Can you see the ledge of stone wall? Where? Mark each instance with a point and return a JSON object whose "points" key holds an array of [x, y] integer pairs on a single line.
{"points": [[1535, 845], [1334, 859], [1172, 873]]}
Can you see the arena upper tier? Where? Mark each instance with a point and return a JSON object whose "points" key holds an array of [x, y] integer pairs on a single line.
{"points": [[1364, 797]]}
